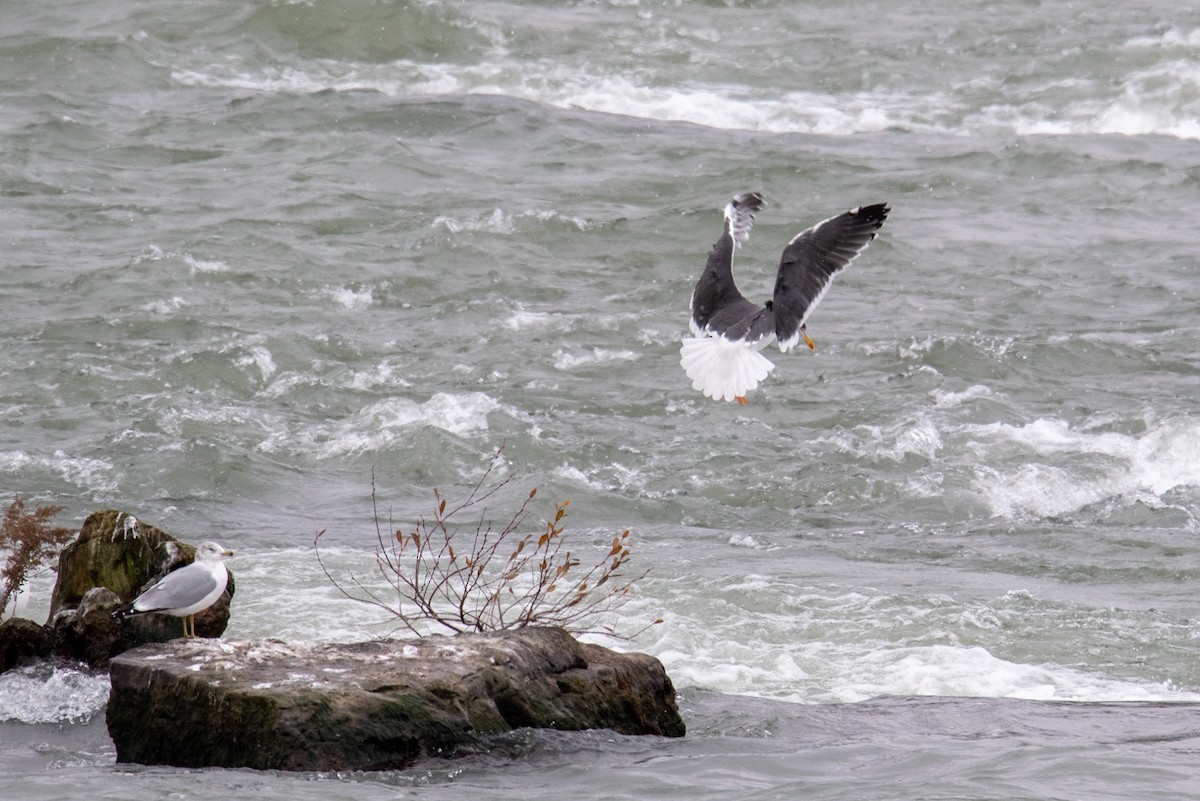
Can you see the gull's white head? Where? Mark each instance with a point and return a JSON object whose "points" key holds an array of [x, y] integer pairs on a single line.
{"points": [[210, 551]]}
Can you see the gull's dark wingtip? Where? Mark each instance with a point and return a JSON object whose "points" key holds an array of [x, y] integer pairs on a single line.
{"points": [[875, 212], [751, 201]]}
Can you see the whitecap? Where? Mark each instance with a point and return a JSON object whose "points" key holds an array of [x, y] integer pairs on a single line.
{"points": [[915, 436], [1064, 469], [497, 222], [350, 298], [167, 306], [946, 670], [385, 423], [95, 475], [1158, 100], [569, 361], [1169, 39], [12, 461], [555, 321], [204, 265], [573, 474], [947, 400], [460, 414], [569, 86], [739, 540], [500, 222], [38, 694], [1163, 100], [149, 253], [259, 357], [383, 374]]}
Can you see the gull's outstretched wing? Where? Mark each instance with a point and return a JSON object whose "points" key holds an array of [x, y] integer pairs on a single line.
{"points": [[722, 357], [717, 305], [812, 259]]}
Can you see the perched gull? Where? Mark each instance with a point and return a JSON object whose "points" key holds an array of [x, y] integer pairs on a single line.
{"points": [[722, 356], [185, 591]]}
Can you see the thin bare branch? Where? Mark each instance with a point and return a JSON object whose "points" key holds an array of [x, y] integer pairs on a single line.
{"points": [[489, 577]]}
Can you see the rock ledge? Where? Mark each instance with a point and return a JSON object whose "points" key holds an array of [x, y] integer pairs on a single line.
{"points": [[372, 705]]}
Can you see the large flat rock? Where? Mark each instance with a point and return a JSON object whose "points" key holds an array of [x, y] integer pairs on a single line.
{"points": [[372, 705]]}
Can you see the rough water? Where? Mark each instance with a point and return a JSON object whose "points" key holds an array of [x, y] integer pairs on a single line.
{"points": [[259, 255]]}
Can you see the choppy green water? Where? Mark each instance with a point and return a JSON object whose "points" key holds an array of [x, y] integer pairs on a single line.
{"points": [[255, 251]]}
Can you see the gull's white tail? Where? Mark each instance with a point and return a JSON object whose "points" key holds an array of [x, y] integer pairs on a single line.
{"points": [[721, 369]]}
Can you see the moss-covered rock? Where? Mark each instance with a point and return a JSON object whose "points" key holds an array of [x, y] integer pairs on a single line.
{"points": [[114, 558], [117, 551], [114, 550]]}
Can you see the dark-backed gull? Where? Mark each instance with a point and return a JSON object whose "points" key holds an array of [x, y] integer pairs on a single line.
{"points": [[722, 356], [186, 591]]}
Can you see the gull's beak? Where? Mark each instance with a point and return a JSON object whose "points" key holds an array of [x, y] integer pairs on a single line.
{"points": [[808, 341], [226, 552]]}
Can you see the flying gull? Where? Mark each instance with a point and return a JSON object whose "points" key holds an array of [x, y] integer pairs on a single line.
{"points": [[186, 591], [722, 356]]}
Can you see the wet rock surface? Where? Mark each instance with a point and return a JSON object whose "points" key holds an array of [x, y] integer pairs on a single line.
{"points": [[373, 705]]}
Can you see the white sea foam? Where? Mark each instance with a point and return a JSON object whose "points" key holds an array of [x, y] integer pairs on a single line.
{"points": [[51, 695], [384, 423], [610, 477], [916, 436], [500, 222], [950, 400], [567, 86], [383, 374], [350, 298], [575, 475], [1161, 101], [165, 306], [497, 222], [95, 475], [817, 647], [175, 419], [149, 253], [460, 414], [1171, 38], [944, 670], [153, 253], [205, 265], [259, 357], [1155, 100], [553, 321], [741, 540], [1049, 482], [284, 593], [569, 361]]}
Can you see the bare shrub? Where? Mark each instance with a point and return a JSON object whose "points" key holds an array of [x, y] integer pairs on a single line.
{"points": [[30, 542], [489, 577]]}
